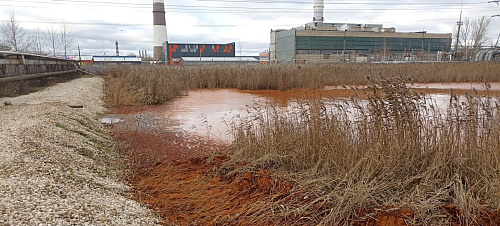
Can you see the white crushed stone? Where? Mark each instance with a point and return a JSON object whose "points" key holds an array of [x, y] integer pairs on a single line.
{"points": [[57, 163]]}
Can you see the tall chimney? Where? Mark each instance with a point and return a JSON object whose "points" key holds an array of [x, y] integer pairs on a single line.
{"points": [[160, 28], [318, 11], [117, 51]]}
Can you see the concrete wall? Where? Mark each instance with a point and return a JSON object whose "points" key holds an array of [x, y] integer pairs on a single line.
{"points": [[285, 46]]}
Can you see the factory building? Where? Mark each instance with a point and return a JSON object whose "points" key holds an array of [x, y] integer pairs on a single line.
{"points": [[173, 52], [115, 60], [319, 42], [191, 61]]}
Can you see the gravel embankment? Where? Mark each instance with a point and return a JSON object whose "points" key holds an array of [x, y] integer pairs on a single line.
{"points": [[58, 165]]}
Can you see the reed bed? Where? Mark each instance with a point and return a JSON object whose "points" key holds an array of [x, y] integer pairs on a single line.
{"points": [[396, 149], [154, 85]]}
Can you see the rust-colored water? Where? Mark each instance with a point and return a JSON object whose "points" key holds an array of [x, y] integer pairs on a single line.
{"points": [[209, 113], [184, 192]]}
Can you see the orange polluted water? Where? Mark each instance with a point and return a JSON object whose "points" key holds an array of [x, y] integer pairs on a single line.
{"points": [[170, 142], [209, 112]]}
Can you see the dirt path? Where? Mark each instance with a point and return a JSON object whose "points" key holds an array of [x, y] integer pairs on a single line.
{"points": [[57, 162]]}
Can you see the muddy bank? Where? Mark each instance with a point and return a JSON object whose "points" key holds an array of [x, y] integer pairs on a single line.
{"points": [[191, 191], [58, 161]]}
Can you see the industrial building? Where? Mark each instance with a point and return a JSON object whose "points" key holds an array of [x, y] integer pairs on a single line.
{"points": [[190, 61], [264, 57], [319, 42], [173, 52], [107, 60]]}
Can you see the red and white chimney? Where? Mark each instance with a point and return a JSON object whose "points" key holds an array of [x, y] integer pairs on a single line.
{"points": [[117, 50]]}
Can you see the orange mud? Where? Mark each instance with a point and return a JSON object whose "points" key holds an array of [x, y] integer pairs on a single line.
{"points": [[185, 193], [172, 174]]}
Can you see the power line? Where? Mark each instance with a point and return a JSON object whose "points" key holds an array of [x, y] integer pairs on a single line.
{"points": [[203, 9], [143, 5], [251, 1]]}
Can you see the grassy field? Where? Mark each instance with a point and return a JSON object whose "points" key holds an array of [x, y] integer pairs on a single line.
{"points": [[394, 149]]}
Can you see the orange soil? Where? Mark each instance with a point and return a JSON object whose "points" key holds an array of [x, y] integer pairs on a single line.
{"points": [[184, 194], [172, 175]]}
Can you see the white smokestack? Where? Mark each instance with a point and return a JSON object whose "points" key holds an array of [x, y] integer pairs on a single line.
{"points": [[159, 28], [318, 11]]}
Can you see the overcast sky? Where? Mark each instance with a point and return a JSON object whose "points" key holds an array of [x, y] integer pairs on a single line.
{"points": [[98, 24]]}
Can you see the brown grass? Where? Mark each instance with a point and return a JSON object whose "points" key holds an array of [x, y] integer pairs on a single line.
{"points": [[154, 85], [395, 149]]}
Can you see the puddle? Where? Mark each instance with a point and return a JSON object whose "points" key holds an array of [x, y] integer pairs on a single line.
{"points": [[110, 121]]}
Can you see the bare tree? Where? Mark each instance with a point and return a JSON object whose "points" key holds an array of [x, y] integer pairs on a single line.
{"points": [[52, 39], [495, 45], [4, 47], [473, 36], [37, 43], [480, 29], [465, 35], [66, 37], [13, 35]]}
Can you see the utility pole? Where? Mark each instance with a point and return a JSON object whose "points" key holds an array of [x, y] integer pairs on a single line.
{"points": [[345, 33], [459, 23], [496, 44], [79, 56], [423, 45], [385, 47]]}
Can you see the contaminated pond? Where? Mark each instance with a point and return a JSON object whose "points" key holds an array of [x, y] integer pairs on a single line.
{"points": [[183, 131], [188, 126]]}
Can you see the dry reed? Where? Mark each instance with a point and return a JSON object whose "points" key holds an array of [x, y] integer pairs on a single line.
{"points": [[154, 85], [395, 149]]}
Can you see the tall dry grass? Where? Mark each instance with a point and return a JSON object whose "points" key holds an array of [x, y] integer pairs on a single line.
{"points": [[395, 149], [153, 85]]}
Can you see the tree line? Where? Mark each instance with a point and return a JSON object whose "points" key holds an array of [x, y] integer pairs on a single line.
{"points": [[48, 43]]}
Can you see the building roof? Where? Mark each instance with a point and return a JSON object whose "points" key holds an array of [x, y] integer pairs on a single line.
{"points": [[85, 58], [116, 59], [219, 59]]}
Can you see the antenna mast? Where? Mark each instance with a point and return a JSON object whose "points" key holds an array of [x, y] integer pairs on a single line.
{"points": [[459, 23]]}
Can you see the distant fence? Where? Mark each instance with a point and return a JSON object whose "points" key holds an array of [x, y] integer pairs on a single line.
{"points": [[98, 69], [20, 66]]}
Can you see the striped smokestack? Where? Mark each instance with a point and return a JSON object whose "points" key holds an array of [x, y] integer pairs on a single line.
{"points": [[160, 28], [318, 11], [117, 51]]}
